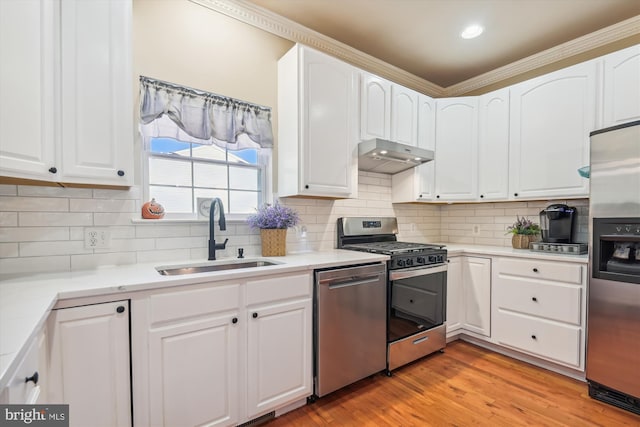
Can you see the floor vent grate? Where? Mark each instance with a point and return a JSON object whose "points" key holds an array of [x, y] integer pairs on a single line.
{"points": [[614, 397], [260, 420]]}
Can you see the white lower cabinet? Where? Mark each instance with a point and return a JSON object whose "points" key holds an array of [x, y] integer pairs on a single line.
{"points": [[539, 308], [28, 384], [89, 365], [469, 295], [221, 354]]}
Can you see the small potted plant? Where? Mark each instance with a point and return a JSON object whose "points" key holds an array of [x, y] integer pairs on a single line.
{"points": [[524, 232], [273, 221]]}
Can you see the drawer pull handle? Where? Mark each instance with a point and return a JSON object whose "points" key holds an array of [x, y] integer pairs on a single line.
{"points": [[33, 378], [535, 270], [234, 320], [534, 299], [533, 337]]}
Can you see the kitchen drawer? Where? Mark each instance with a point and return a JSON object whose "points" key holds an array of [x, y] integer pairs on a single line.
{"points": [[553, 341], [557, 302], [278, 288], [177, 305], [545, 270], [20, 391]]}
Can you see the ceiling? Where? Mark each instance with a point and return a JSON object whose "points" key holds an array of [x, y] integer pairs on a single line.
{"points": [[422, 36]]}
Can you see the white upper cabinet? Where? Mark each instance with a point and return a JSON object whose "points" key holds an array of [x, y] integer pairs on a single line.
{"points": [[27, 90], [375, 107], [456, 149], [493, 146], [551, 117], [622, 86], [417, 184], [404, 115], [65, 91], [317, 125], [97, 115]]}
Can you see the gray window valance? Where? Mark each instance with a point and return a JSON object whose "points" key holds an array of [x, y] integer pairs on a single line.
{"points": [[202, 117]]}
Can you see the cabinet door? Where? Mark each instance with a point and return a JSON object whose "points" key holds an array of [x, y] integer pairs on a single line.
{"points": [[279, 355], [97, 117], [27, 88], [193, 372], [427, 140], [456, 148], [454, 295], [329, 125], [622, 86], [493, 146], [476, 279], [551, 117], [90, 363], [375, 107], [404, 115]]}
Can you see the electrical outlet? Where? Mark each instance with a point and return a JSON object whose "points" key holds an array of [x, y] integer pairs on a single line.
{"points": [[97, 238], [475, 230]]}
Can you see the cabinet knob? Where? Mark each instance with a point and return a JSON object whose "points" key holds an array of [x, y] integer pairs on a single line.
{"points": [[533, 337], [420, 196], [53, 169], [120, 173], [254, 315], [234, 320], [534, 299], [120, 309], [535, 270], [33, 378], [482, 196], [438, 196], [515, 194], [306, 186]]}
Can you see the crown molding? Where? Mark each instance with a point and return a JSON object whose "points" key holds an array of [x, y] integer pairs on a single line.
{"points": [[266, 20]]}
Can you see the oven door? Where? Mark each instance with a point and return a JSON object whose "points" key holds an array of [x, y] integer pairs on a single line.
{"points": [[417, 300]]}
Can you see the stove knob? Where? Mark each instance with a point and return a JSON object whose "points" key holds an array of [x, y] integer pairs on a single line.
{"points": [[432, 258], [440, 258], [409, 262], [400, 263], [420, 260]]}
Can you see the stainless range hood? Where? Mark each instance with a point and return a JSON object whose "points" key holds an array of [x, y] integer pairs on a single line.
{"points": [[382, 156]]}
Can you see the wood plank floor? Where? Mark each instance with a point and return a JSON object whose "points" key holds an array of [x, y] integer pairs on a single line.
{"points": [[464, 386]]}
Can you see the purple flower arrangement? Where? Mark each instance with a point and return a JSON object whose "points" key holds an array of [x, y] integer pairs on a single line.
{"points": [[523, 226], [273, 216]]}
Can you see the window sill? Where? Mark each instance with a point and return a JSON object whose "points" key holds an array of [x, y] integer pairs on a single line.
{"points": [[230, 219]]}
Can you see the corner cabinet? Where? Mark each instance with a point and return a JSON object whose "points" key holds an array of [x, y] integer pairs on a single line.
{"points": [[469, 296], [90, 363], [622, 86], [551, 117], [224, 353], [317, 125], [66, 108]]}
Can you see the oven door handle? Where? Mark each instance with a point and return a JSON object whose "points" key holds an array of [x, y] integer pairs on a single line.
{"points": [[620, 237], [350, 281], [405, 274]]}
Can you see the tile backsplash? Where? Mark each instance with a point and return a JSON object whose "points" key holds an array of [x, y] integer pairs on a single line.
{"points": [[42, 228]]}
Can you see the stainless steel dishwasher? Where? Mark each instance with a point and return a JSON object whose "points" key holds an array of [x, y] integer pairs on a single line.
{"points": [[350, 325]]}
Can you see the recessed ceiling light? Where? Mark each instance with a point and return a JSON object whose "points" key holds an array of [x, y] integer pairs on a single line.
{"points": [[472, 31]]}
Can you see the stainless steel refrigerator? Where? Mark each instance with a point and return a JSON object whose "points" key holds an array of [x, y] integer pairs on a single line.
{"points": [[613, 316]]}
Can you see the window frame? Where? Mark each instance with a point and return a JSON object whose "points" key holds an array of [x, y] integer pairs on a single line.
{"points": [[265, 162]]}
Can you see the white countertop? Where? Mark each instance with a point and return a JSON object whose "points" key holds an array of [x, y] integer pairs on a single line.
{"points": [[25, 301]]}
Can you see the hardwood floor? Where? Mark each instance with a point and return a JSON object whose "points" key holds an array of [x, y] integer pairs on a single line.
{"points": [[464, 386]]}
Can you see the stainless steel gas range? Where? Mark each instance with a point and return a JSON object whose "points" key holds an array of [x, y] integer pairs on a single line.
{"points": [[416, 286]]}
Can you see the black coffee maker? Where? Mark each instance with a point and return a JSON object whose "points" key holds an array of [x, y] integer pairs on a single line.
{"points": [[556, 223]]}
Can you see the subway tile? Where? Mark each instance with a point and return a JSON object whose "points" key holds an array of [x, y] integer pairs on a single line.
{"points": [[8, 190], [33, 204], [91, 261], [168, 256], [8, 219], [102, 205], [9, 250], [181, 242], [39, 191], [162, 230], [112, 218], [489, 241], [36, 249], [42, 219], [128, 245], [33, 234], [35, 264], [132, 193]]}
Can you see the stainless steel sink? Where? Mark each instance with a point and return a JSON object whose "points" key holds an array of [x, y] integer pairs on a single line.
{"points": [[178, 270]]}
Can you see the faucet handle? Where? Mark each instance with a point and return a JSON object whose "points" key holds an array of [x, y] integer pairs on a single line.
{"points": [[221, 245]]}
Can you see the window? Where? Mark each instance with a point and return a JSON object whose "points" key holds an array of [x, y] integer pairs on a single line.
{"points": [[180, 173], [199, 145]]}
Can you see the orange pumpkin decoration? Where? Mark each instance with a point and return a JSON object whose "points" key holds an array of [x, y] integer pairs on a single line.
{"points": [[152, 210]]}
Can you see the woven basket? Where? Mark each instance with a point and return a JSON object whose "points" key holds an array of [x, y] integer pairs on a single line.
{"points": [[521, 241], [274, 241]]}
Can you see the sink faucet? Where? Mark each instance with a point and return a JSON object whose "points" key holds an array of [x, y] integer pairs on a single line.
{"points": [[223, 226]]}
